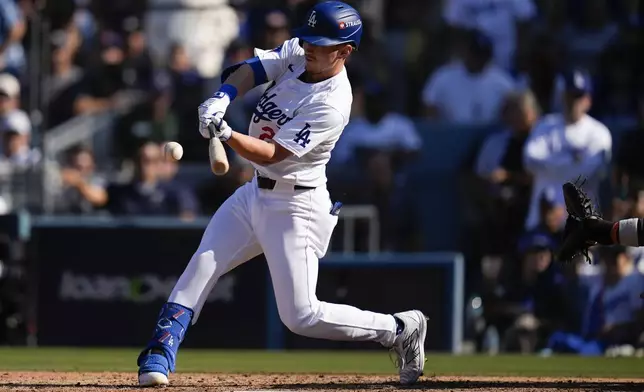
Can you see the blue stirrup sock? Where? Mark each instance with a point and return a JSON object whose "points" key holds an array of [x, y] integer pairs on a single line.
{"points": [[172, 323]]}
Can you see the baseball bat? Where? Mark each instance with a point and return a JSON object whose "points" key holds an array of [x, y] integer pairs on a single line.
{"points": [[218, 158]]}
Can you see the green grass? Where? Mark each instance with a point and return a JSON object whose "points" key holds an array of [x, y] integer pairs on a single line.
{"points": [[76, 359]]}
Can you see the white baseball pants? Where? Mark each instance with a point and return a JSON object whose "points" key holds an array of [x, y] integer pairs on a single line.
{"points": [[293, 230]]}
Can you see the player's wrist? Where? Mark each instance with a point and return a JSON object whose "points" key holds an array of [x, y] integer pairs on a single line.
{"points": [[225, 135], [228, 90], [224, 132]]}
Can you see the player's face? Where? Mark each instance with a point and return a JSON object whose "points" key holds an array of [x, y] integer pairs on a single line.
{"points": [[575, 104], [84, 163], [519, 116], [149, 162], [324, 58], [537, 261]]}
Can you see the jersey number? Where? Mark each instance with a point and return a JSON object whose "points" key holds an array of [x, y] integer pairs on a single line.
{"points": [[268, 133]]}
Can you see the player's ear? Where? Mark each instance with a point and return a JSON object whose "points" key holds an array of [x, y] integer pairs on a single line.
{"points": [[345, 51]]}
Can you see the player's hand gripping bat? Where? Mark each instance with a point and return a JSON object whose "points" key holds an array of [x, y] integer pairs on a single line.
{"points": [[218, 158]]}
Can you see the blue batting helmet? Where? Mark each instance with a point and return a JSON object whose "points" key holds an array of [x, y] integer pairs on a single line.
{"points": [[331, 23]]}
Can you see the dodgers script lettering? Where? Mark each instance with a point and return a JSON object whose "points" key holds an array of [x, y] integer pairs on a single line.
{"points": [[267, 110]]}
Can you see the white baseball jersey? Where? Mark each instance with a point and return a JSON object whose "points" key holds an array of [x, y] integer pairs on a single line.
{"points": [[556, 152], [292, 228], [305, 118]]}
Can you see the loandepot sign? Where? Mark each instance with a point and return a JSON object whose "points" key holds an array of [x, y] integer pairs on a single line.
{"points": [[141, 289]]}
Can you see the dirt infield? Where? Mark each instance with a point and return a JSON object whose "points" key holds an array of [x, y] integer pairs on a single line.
{"points": [[59, 382]]}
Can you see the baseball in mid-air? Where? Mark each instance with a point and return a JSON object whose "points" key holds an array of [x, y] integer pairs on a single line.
{"points": [[174, 150]]}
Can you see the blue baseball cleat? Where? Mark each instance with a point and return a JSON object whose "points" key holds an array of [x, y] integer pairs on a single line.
{"points": [[158, 359]]}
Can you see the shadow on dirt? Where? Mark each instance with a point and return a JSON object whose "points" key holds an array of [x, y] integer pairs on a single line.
{"points": [[435, 385], [77, 386], [470, 385]]}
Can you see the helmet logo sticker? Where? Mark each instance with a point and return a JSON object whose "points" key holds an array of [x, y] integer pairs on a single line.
{"points": [[312, 21], [344, 25]]}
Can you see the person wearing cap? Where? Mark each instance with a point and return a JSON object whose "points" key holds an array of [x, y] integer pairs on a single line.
{"points": [[530, 301], [471, 90], [552, 216], [15, 129], [504, 183], [9, 94], [564, 146], [612, 311]]}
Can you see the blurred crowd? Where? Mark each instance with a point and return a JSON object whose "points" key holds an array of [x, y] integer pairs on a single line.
{"points": [[504, 63]]}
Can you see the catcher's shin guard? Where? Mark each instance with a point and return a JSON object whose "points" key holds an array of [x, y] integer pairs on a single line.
{"points": [[173, 321]]}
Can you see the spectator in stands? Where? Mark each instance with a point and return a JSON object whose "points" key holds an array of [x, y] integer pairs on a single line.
{"points": [[83, 189], [205, 38], [552, 216], [12, 30], [116, 15], [147, 194], [15, 129], [188, 91], [105, 79], [500, 166], [59, 13], [62, 87], [137, 65], [534, 303], [9, 94], [212, 194], [628, 171], [379, 144], [586, 37], [540, 72], [562, 147], [84, 22], [470, 90], [618, 88], [168, 168], [240, 110], [613, 311], [149, 119], [276, 30], [373, 126], [507, 22]]}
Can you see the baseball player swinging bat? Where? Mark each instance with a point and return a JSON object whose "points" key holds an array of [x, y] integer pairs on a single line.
{"points": [[218, 158], [285, 212]]}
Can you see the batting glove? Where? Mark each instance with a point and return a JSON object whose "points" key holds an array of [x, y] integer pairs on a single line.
{"points": [[218, 103], [221, 129]]}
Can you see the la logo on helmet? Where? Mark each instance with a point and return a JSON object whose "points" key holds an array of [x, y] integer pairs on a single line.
{"points": [[312, 21]]}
